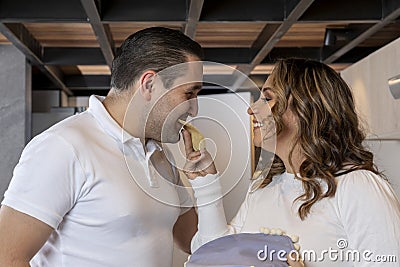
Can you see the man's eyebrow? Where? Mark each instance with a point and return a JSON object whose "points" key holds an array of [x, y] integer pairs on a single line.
{"points": [[197, 87]]}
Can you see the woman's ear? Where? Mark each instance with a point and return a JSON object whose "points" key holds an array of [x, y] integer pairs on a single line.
{"points": [[147, 84]]}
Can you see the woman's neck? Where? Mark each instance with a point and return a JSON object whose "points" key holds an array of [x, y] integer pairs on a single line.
{"points": [[297, 159]]}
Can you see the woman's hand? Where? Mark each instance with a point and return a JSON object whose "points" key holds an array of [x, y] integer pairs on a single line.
{"points": [[198, 163], [293, 261]]}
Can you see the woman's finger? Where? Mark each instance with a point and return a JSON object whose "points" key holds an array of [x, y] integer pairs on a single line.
{"points": [[294, 260], [187, 139], [194, 156]]}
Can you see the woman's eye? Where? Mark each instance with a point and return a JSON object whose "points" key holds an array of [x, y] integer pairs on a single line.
{"points": [[265, 99]]}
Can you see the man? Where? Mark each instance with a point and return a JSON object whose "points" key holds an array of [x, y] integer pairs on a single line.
{"points": [[97, 188]]}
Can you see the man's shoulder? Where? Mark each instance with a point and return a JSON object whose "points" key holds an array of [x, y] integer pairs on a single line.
{"points": [[77, 128]]}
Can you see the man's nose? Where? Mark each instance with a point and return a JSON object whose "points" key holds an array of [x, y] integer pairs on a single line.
{"points": [[194, 107]]}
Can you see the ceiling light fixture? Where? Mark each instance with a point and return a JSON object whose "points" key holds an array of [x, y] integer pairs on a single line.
{"points": [[334, 35]]}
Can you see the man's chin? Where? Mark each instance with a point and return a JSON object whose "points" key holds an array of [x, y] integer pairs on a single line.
{"points": [[171, 139]]}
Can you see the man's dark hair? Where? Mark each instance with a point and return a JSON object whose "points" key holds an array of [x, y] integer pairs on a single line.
{"points": [[155, 48]]}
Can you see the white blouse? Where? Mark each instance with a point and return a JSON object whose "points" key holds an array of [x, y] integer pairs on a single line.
{"points": [[359, 226]]}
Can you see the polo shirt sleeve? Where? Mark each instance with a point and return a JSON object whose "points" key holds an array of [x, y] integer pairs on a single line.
{"points": [[46, 181], [370, 214]]}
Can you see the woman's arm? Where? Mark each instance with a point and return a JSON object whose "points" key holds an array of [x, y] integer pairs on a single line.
{"points": [[202, 174], [211, 215]]}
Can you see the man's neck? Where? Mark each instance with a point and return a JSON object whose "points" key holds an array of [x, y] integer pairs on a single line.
{"points": [[116, 106]]}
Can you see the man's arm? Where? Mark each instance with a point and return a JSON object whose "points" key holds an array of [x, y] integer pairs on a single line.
{"points": [[21, 237], [184, 229]]}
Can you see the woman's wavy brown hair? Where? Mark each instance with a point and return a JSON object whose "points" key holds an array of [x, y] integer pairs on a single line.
{"points": [[329, 133]]}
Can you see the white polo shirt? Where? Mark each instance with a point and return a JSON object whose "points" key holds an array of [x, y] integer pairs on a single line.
{"points": [[77, 177]]}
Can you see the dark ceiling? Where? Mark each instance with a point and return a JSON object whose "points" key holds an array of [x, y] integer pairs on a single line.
{"points": [[71, 43]]}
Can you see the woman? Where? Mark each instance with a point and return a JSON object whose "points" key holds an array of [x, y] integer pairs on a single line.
{"points": [[322, 185]]}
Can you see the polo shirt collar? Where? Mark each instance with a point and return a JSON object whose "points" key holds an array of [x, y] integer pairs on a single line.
{"points": [[111, 127]]}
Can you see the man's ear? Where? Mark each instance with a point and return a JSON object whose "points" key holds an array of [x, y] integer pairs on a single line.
{"points": [[146, 86]]}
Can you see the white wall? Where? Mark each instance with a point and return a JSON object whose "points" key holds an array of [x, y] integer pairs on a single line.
{"points": [[15, 109], [369, 80], [377, 107], [224, 120], [387, 158]]}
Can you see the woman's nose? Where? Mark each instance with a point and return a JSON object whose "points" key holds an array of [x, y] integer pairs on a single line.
{"points": [[251, 110]]}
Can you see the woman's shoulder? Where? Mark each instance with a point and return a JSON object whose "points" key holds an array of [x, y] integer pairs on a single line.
{"points": [[358, 177], [362, 182]]}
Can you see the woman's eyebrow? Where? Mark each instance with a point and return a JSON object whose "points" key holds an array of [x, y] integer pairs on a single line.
{"points": [[265, 89]]}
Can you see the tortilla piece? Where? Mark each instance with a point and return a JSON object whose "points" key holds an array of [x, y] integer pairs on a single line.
{"points": [[197, 137]]}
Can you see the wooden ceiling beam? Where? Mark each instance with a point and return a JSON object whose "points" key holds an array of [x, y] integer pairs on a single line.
{"points": [[22, 39], [344, 10], [102, 32], [265, 35], [102, 82], [193, 17], [390, 17], [72, 56], [68, 56], [291, 19], [274, 38], [13, 11]]}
